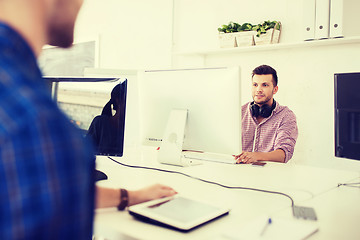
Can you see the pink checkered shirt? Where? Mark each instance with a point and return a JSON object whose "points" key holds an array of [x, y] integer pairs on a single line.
{"points": [[279, 131]]}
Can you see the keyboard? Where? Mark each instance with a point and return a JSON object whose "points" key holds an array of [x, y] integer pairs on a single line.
{"points": [[211, 157], [304, 212]]}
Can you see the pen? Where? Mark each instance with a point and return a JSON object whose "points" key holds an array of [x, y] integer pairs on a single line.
{"points": [[266, 226]]}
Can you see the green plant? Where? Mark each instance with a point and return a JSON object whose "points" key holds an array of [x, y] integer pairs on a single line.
{"points": [[246, 27], [235, 27], [260, 28], [266, 25]]}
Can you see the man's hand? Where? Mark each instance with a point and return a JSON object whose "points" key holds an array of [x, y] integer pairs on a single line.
{"points": [[248, 157], [150, 193]]}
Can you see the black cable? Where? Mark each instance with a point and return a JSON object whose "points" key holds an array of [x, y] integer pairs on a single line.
{"points": [[203, 180]]}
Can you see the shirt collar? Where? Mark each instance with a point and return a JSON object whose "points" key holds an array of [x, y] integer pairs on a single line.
{"points": [[14, 39], [15, 46]]}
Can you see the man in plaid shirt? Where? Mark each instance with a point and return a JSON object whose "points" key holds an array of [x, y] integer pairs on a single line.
{"points": [[47, 186], [269, 130]]}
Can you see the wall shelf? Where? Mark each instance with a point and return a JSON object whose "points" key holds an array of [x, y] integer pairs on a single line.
{"points": [[272, 47]]}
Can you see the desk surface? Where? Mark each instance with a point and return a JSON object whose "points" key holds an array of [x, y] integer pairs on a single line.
{"points": [[338, 212], [308, 186]]}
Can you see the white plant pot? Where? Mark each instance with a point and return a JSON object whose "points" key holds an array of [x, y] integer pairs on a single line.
{"points": [[271, 36], [276, 36], [236, 39], [245, 38], [227, 40]]}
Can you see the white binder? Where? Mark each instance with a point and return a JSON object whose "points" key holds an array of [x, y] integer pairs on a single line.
{"points": [[322, 19], [336, 18], [308, 20]]}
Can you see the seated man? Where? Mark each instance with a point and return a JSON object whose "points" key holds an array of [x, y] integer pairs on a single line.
{"points": [[107, 130], [269, 130]]}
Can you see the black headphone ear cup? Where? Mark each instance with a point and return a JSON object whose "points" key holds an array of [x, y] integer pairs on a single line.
{"points": [[265, 111], [254, 109]]}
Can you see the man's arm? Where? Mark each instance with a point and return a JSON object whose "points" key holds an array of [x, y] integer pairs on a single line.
{"points": [[284, 144], [107, 197], [277, 155], [287, 136]]}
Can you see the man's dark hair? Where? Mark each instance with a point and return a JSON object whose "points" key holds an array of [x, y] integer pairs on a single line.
{"points": [[117, 93], [264, 70]]}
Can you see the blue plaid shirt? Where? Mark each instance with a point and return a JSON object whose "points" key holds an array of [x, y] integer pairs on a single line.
{"points": [[46, 167]]}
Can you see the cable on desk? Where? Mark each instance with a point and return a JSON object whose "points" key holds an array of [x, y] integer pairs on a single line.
{"points": [[355, 185], [203, 180]]}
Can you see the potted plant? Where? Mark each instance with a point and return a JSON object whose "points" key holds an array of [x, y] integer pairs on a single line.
{"points": [[235, 35], [246, 35], [268, 32]]}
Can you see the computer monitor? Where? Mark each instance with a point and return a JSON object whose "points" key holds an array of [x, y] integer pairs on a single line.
{"points": [[212, 98], [83, 100], [347, 115]]}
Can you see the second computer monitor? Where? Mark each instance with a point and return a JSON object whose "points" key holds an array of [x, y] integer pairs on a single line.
{"points": [[212, 98]]}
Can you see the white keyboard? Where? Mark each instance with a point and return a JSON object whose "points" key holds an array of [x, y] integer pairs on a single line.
{"points": [[212, 157]]}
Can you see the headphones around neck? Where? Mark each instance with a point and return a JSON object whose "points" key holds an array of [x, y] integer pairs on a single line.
{"points": [[263, 111]]}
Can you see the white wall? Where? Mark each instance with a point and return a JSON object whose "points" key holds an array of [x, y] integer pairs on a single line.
{"points": [[138, 34], [134, 34], [196, 22]]}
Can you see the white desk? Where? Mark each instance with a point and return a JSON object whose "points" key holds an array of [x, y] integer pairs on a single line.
{"points": [[308, 186], [338, 212]]}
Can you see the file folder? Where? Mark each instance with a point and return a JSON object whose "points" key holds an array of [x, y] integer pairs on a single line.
{"points": [[322, 19], [336, 18], [308, 19]]}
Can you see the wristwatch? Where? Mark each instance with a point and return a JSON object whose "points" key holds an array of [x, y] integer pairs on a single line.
{"points": [[124, 199]]}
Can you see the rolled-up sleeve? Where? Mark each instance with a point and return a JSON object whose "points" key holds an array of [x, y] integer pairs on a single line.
{"points": [[287, 134]]}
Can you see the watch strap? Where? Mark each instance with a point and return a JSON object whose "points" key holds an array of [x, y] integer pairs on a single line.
{"points": [[124, 199]]}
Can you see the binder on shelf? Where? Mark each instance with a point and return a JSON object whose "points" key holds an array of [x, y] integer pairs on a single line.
{"points": [[308, 20], [336, 18], [345, 14], [322, 19]]}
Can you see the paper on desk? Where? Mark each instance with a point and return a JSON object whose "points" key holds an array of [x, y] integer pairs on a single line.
{"points": [[287, 229]]}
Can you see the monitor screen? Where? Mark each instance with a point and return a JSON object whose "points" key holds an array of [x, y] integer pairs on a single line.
{"points": [[212, 98], [97, 106], [347, 115]]}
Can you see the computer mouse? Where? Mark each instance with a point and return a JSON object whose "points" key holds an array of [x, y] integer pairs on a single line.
{"points": [[100, 176]]}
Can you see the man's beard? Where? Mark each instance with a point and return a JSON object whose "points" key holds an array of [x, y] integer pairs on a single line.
{"points": [[61, 36], [267, 100]]}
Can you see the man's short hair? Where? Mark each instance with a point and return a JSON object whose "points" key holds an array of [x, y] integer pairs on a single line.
{"points": [[264, 70]]}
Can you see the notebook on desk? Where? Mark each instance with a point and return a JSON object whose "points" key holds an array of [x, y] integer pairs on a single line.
{"points": [[178, 212]]}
